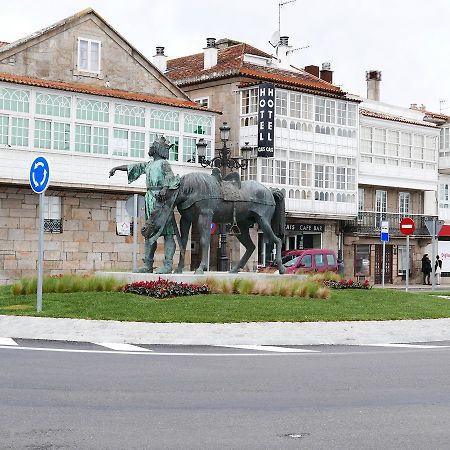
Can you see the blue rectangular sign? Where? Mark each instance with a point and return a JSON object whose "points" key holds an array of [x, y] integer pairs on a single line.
{"points": [[385, 237]]}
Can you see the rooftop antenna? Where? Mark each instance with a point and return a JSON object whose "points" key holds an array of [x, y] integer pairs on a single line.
{"points": [[280, 4], [275, 39], [441, 102]]}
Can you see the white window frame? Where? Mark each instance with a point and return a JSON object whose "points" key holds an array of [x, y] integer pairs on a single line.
{"points": [[89, 58], [404, 204], [202, 101]]}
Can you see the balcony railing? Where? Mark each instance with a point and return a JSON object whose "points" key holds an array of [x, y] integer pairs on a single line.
{"points": [[369, 223]]}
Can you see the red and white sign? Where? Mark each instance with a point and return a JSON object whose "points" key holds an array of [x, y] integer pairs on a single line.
{"points": [[407, 226]]}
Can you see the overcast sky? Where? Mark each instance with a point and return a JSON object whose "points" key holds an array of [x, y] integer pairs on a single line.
{"points": [[408, 40]]}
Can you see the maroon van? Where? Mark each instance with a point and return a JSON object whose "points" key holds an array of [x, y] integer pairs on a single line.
{"points": [[310, 260]]}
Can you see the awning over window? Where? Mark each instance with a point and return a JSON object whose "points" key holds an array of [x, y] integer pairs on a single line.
{"points": [[445, 231]]}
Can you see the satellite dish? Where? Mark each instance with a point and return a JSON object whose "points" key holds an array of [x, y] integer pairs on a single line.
{"points": [[275, 39]]}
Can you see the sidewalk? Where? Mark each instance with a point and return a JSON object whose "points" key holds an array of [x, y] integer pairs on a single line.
{"points": [[272, 333]]}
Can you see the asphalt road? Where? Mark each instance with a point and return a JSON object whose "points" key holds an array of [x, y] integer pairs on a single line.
{"points": [[224, 398]]}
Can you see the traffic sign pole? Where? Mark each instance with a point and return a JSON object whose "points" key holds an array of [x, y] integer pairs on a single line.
{"points": [[407, 227], [40, 253], [433, 256], [39, 181], [384, 264], [407, 262]]}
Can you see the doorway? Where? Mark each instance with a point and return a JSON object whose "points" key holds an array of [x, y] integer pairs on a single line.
{"points": [[379, 264]]}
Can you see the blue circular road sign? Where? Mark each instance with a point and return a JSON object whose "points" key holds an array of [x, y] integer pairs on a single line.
{"points": [[39, 175]]}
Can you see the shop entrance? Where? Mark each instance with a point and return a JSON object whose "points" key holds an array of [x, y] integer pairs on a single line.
{"points": [[379, 264]]}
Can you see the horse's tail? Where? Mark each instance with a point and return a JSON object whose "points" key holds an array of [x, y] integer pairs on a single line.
{"points": [[279, 216]]}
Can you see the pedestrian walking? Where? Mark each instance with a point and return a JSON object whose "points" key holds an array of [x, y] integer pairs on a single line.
{"points": [[426, 269], [438, 269]]}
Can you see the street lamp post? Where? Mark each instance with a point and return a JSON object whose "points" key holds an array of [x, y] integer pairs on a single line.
{"points": [[223, 161]]}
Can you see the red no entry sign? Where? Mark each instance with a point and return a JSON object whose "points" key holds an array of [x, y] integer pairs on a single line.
{"points": [[407, 226]]}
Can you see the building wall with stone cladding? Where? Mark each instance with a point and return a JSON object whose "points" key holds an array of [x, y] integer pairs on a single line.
{"points": [[88, 243]]}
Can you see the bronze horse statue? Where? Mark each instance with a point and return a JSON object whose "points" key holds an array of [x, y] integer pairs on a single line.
{"points": [[206, 198]]}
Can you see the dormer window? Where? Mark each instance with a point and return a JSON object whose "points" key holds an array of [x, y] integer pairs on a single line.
{"points": [[89, 55]]}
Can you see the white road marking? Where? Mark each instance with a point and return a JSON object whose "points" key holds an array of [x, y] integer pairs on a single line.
{"points": [[149, 353], [122, 347], [269, 348], [406, 345], [7, 341]]}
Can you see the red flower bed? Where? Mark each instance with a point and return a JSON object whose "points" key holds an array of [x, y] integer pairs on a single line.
{"points": [[164, 288], [347, 284]]}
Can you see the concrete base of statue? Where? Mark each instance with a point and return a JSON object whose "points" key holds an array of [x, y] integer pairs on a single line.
{"points": [[191, 277]]}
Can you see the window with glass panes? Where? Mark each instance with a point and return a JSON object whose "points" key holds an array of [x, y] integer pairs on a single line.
{"points": [[281, 102], [360, 199], [280, 172], [197, 124], [444, 143], [88, 109], [251, 172], [404, 203], [295, 109], [249, 101], [189, 150], [51, 135], [307, 107], [52, 105], [129, 115], [444, 196], [381, 202], [341, 113], [89, 53], [14, 131], [91, 139], [17, 100], [164, 120], [267, 170]]}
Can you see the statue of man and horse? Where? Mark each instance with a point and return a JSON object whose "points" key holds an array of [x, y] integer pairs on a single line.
{"points": [[206, 198]]}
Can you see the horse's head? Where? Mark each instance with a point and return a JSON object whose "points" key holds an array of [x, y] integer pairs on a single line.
{"points": [[154, 225]]}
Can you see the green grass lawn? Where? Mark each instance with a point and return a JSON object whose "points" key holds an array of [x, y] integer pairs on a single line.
{"points": [[374, 304]]}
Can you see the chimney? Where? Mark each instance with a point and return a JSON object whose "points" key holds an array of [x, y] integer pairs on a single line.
{"points": [[210, 53], [284, 52], [326, 74], [160, 59], [313, 70], [373, 78]]}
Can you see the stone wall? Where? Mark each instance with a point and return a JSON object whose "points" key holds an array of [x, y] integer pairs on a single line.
{"points": [[88, 242]]}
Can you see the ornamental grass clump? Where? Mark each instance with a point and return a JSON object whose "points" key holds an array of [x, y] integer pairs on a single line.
{"points": [[282, 287], [161, 288], [66, 283]]}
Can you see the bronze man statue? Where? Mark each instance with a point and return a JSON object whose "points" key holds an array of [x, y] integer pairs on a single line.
{"points": [[160, 178]]}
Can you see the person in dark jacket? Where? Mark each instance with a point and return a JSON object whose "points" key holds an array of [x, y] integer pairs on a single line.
{"points": [[426, 269]]}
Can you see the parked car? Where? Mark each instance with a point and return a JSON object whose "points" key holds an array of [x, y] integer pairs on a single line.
{"points": [[310, 260]]}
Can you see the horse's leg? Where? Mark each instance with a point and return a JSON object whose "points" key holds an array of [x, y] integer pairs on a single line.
{"points": [[185, 225], [267, 230], [245, 239], [204, 228]]}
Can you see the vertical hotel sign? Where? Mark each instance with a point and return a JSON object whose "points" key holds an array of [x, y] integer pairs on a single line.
{"points": [[266, 112]]}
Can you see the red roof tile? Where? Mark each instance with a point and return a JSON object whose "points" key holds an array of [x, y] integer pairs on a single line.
{"points": [[3, 43], [189, 70], [96, 90], [378, 115]]}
